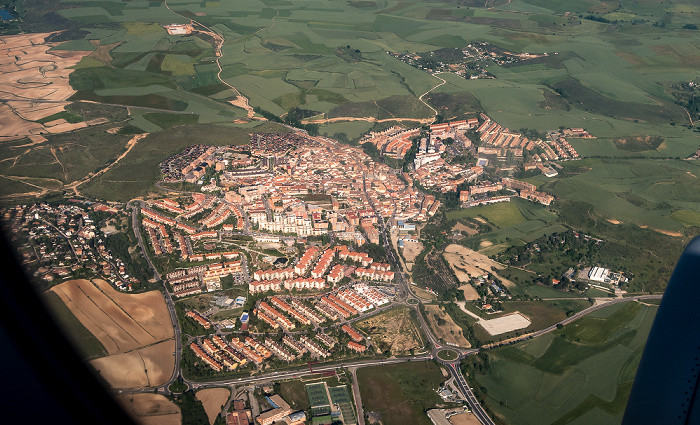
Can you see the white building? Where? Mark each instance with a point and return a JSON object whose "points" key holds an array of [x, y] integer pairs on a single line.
{"points": [[598, 274]]}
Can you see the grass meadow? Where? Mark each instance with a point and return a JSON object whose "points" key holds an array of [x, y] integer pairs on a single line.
{"points": [[400, 393], [573, 375]]}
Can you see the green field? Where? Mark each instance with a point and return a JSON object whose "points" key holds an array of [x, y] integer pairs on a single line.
{"points": [[501, 215], [64, 157], [401, 392], [582, 371]]}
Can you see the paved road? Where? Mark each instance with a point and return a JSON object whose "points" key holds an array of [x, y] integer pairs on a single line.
{"points": [[477, 410], [358, 397], [135, 205], [135, 208]]}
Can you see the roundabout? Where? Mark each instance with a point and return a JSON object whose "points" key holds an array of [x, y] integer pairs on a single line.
{"points": [[447, 355]]}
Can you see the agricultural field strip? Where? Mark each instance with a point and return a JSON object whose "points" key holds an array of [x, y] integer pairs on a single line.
{"points": [[101, 314]]}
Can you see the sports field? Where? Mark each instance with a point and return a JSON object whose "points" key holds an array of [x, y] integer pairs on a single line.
{"points": [[584, 370], [517, 220]]}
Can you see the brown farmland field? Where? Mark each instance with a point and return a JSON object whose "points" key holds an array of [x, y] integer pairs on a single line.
{"points": [[121, 322], [150, 409], [135, 329], [145, 367], [470, 293], [32, 71], [213, 399]]}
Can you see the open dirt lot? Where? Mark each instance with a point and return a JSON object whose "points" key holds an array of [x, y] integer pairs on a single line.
{"points": [[470, 293], [468, 264], [503, 324], [411, 250], [393, 329], [121, 322], [31, 72], [450, 332], [467, 418], [145, 367], [150, 409], [213, 399]]}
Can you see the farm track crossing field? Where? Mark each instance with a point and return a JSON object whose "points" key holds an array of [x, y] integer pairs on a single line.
{"points": [[151, 409], [122, 322], [144, 367]]}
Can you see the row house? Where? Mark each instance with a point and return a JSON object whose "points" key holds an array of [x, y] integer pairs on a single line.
{"points": [[258, 347], [327, 311], [289, 310], [340, 303], [279, 317], [225, 270], [352, 333], [250, 354], [157, 217], [223, 345], [307, 311], [295, 345], [205, 357], [356, 347], [189, 288], [187, 229], [199, 319], [154, 240], [265, 318], [336, 309], [279, 350], [182, 244], [169, 205], [314, 348], [205, 234], [328, 340], [356, 301]]}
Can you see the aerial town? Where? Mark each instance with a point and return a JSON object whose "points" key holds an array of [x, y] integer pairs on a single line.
{"points": [[289, 231]]}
